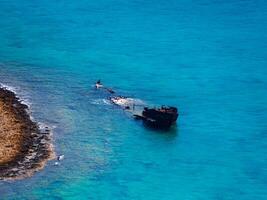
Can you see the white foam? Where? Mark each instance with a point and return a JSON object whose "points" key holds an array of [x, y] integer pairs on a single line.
{"points": [[128, 101], [138, 102], [25, 100], [43, 126], [105, 101], [100, 102], [18, 92], [10, 88]]}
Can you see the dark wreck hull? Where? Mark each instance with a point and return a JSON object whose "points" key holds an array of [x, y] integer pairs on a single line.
{"points": [[159, 118], [158, 124]]}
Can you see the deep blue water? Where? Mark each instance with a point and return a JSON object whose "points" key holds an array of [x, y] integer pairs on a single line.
{"points": [[208, 57]]}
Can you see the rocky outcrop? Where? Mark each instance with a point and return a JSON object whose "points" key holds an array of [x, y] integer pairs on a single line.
{"points": [[24, 148]]}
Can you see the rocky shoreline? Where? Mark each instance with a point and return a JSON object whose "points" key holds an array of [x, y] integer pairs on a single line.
{"points": [[24, 147]]}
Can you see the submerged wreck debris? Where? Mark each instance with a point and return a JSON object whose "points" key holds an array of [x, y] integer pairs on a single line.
{"points": [[161, 118], [60, 157], [99, 85], [24, 147]]}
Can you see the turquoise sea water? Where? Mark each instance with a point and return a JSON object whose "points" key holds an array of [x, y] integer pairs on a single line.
{"points": [[208, 57]]}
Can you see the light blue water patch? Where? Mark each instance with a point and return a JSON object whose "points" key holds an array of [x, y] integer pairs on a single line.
{"points": [[206, 57]]}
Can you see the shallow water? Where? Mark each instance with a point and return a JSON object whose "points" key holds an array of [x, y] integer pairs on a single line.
{"points": [[207, 57]]}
